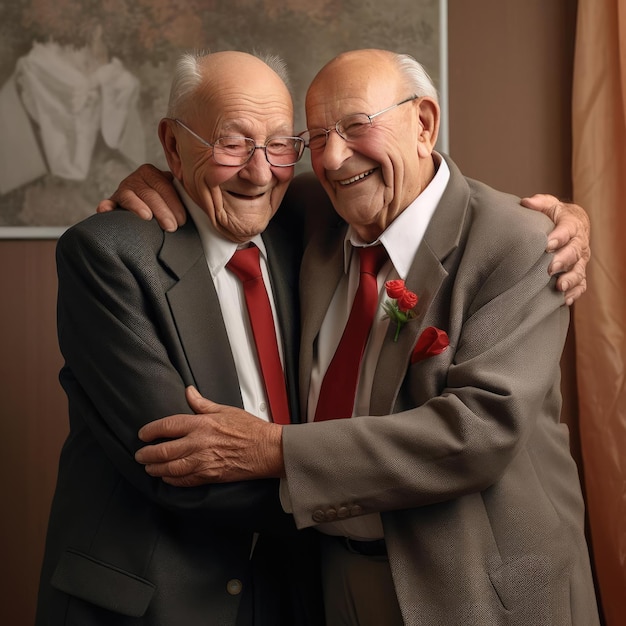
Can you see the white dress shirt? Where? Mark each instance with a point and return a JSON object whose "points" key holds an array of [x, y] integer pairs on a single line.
{"points": [[218, 251], [401, 239]]}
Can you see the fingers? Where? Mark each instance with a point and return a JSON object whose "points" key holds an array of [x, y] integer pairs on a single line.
{"points": [[148, 192], [573, 284], [569, 240], [543, 202], [165, 204], [551, 206], [162, 453], [129, 199], [181, 471], [178, 458], [198, 403], [104, 206], [169, 427]]}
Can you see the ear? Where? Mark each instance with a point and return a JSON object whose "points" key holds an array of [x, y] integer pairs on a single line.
{"points": [[430, 115], [170, 144]]}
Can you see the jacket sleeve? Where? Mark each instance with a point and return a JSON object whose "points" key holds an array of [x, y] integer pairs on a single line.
{"points": [[458, 418], [124, 365]]}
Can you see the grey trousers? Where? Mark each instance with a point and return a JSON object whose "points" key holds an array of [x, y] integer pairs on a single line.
{"points": [[358, 589]]}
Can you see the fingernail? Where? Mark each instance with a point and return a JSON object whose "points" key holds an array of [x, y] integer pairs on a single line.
{"points": [[564, 286], [170, 226], [556, 267], [553, 244], [569, 301]]}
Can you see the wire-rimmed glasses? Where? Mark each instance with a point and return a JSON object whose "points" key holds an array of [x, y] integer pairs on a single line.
{"points": [[238, 150], [349, 128]]}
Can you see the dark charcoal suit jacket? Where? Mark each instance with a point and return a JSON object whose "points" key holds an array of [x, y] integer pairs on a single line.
{"points": [[138, 321]]}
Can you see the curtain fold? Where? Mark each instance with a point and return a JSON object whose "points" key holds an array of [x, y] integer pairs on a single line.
{"points": [[599, 183]]}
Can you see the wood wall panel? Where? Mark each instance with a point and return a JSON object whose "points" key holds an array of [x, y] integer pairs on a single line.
{"points": [[33, 417]]}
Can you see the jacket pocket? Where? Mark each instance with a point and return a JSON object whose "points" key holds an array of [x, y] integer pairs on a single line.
{"points": [[102, 584], [518, 580]]}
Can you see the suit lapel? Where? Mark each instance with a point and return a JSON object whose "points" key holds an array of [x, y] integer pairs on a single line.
{"points": [[322, 268], [198, 317], [426, 277]]}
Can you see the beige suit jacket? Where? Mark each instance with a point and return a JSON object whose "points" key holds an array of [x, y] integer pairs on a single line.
{"points": [[463, 453]]}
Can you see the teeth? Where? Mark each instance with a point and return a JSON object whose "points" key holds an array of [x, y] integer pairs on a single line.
{"points": [[349, 181]]}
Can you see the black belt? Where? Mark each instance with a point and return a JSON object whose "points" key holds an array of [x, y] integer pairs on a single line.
{"points": [[376, 547]]}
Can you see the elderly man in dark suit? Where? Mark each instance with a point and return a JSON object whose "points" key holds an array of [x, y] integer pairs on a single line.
{"points": [[142, 314], [448, 496]]}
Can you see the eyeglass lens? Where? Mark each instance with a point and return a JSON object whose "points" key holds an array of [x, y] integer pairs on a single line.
{"points": [[279, 151]]}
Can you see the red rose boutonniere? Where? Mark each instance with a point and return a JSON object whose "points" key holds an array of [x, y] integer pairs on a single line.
{"points": [[400, 308]]}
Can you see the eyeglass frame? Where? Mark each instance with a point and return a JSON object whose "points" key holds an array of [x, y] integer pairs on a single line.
{"points": [[249, 141], [335, 126]]}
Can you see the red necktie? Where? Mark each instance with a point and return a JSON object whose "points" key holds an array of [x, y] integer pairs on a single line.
{"points": [[337, 394], [245, 265]]}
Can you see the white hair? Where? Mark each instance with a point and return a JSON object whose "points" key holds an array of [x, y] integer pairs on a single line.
{"points": [[416, 76], [188, 77]]}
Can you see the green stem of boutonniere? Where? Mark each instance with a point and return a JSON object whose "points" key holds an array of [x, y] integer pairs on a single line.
{"points": [[398, 316], [399, 326]]}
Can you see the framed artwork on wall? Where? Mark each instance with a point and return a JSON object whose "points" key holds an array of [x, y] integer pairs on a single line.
{"points": [[83, 84]]}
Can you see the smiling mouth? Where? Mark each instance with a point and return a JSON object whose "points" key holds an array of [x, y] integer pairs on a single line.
{"points": [[246, 196], [354, 179]]}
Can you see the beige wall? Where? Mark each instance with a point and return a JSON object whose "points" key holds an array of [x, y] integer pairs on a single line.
{"points": [[510, 75], [510, 82]]}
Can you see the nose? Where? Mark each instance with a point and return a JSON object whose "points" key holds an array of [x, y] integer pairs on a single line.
{"points": [[335, 152], [257, 170]]}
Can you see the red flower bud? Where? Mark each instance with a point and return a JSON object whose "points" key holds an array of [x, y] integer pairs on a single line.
{"points": [[407, 300], [395, 288]]}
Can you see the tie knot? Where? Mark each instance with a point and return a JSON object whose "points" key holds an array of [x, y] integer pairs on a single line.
{"points": [[372, 259], [245, 264]]}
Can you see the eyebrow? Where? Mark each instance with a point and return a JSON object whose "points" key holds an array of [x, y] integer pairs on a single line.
{"points": [[237, 128]]}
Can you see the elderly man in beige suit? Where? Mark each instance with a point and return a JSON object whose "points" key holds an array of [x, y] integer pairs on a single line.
{"points": [[449, 496]]}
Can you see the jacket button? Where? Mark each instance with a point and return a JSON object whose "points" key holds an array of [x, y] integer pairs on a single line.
{"points": [[343, 512], [234, 586], [356, 509], [331, 515], [318, 516]]}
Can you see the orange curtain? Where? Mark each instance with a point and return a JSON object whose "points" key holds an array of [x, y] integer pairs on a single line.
{"points": [[599, 179]]}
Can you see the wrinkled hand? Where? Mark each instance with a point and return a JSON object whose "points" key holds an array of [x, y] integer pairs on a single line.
{"points": [[569, 241], [220, 444], [148, 192]]}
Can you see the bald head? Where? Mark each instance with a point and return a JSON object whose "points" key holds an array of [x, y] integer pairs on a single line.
{"points": [[361, 68], [197, 77]]}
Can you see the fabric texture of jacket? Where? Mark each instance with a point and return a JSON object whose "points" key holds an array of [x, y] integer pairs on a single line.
{"points": [[138, 321], [463, 453]]}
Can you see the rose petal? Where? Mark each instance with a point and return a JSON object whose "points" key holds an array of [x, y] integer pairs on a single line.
{"points": [[407, 300], [395, 288]]}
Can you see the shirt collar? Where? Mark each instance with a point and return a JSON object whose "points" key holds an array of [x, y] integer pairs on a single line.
{"points": [[403, 236], [217, 249]]}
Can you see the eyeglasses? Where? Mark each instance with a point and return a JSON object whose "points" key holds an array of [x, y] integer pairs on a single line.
{"points": [[237, 151], [349, 128]]}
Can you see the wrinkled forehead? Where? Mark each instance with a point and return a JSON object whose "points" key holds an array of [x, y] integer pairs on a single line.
{"points": [[253, 96]]}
